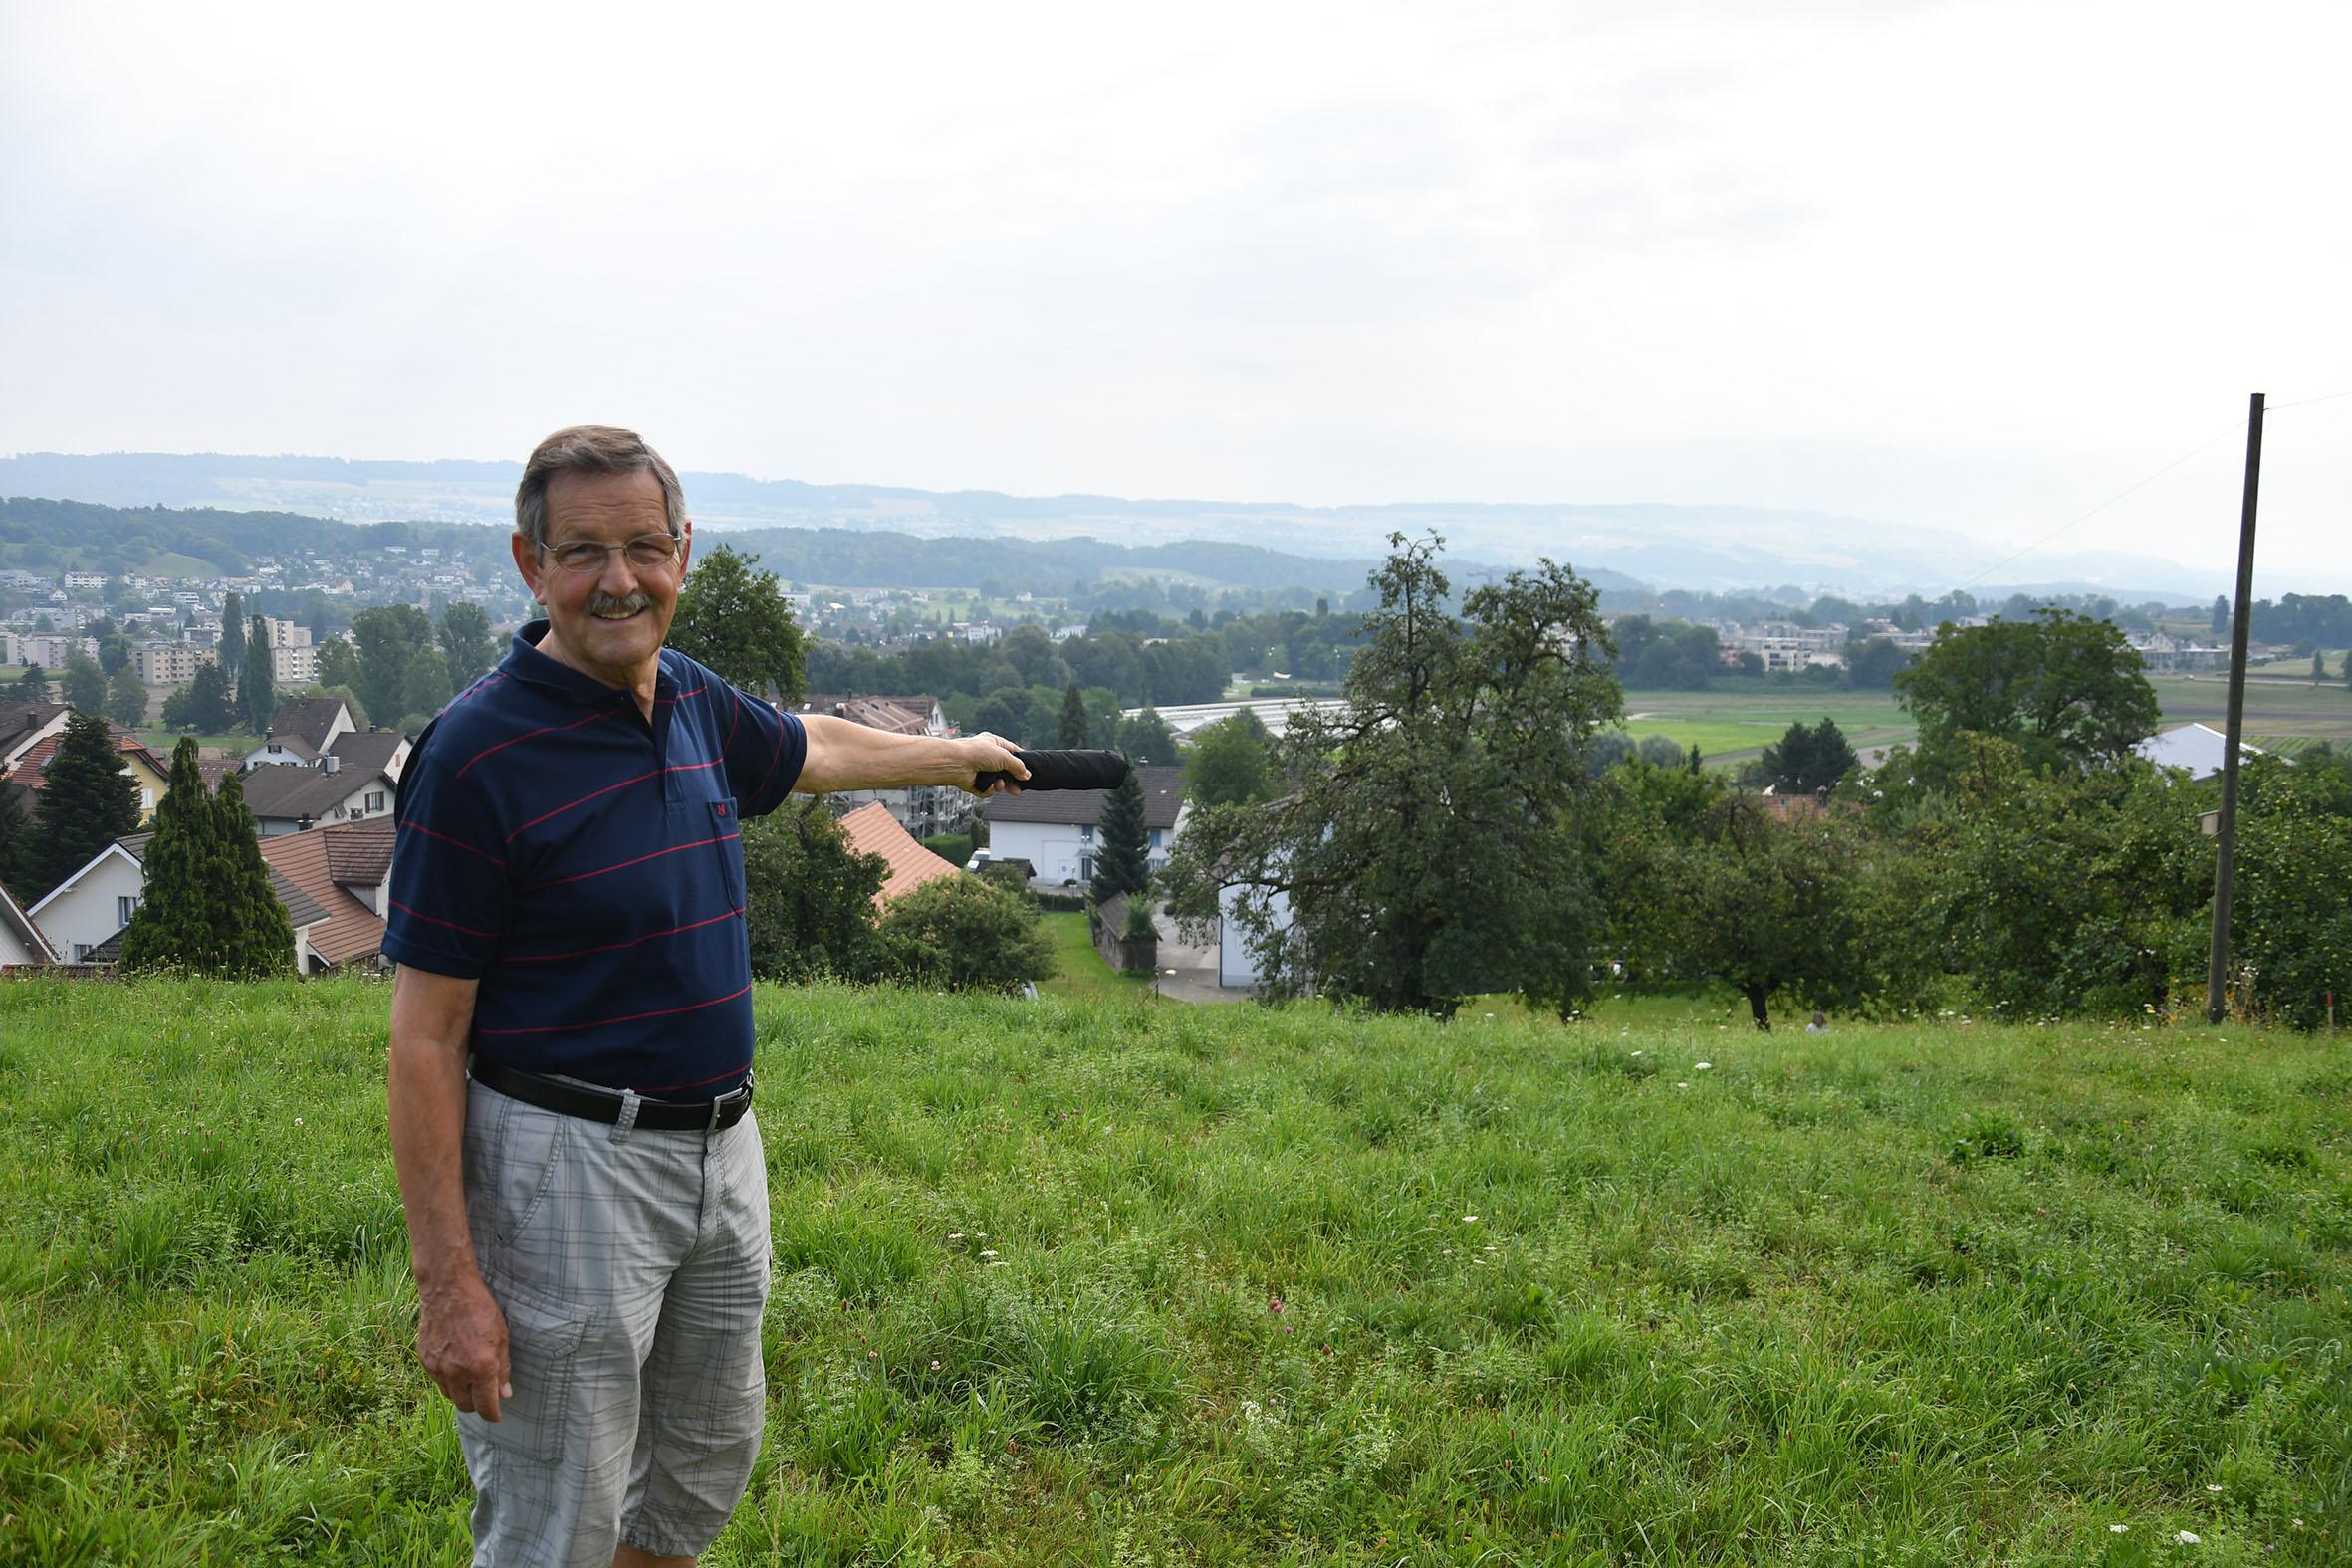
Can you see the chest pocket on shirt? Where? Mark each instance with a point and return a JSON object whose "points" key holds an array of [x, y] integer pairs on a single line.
{"points": [[727, 830]]}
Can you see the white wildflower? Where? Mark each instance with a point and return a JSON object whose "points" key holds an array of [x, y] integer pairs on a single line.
{"points": [[2117, 1529], [1702, 1067], [2185, 1538]]}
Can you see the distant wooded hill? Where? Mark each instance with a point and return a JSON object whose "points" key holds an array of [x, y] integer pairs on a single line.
{"points": [[50, 535]]}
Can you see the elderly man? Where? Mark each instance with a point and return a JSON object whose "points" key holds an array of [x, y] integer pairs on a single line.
{"points": [[572, 1032]]}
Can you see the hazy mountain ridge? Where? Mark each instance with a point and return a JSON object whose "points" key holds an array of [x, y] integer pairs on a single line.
{"points": [[1720, 548]]}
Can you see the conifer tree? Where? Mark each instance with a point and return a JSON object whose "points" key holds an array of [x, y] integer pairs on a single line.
{"points": [[88, 800], [33, 685], [181, 921], [1073, 716], [16, 845], [257, 688], [1122, 860], [232, 636], [258, 936]]}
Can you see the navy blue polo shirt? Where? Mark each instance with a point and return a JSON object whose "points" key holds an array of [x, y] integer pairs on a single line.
{"points": [[586, 867]]}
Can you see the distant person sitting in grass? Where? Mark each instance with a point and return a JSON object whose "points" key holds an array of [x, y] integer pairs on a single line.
{"points": [[1819, 1024], [570, 1075]]}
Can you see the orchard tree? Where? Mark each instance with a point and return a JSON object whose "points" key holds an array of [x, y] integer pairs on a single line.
{"points": [[466, 646], [961, 934], [808, 896], [737, 621], [2066, 690], [1430, 845], [1122, 855], [88, 799]]}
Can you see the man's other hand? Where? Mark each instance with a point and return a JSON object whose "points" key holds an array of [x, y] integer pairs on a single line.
{"points": [[987, 752], [461, 1339]]}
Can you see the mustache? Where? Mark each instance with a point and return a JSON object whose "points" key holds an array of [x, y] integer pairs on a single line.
{"points": [[602, 604]]}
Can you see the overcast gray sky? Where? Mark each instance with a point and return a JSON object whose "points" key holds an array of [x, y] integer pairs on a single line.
{"points": [[1976, 266]]}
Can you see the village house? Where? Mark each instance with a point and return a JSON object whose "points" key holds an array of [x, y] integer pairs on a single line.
{"points": [[924, 810], [872, 830], [1057, 830]]}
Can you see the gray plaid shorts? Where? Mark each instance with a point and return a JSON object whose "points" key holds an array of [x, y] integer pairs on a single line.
{"points": [[632, 1268]]}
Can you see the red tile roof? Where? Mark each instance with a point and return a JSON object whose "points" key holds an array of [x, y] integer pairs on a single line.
{"points": [[28, 768], [873, 831], [351, 930]]}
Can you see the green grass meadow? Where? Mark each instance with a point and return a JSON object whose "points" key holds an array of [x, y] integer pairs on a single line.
{"points": [[1098, 1281]]}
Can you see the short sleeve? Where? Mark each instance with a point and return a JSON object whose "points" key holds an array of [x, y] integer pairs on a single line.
{"points": [[764, 749], [450, 896]]}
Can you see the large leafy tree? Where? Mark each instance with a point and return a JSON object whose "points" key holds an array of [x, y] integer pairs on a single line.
{"points": [[1122, 853], [425, 690], [88, 799], [1809, 758], [339, 664], [85, 684], [387, 637], [257, 688], [465, 643], [2063, 688], [1430, 845], [126, 698], [808, 896], [736, 620], [1228, 764], [203, 706], [1147, 740], [2290, 917]]}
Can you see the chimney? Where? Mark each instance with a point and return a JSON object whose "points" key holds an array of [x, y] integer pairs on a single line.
{"points": [[331, 763]]}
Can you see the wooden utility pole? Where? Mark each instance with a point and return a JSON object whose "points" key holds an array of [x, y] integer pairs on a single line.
{"points": [[2217, 969]]}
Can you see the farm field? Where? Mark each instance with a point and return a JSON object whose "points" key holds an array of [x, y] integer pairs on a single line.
{"points": [[2277, 708], [1106, 1282]]}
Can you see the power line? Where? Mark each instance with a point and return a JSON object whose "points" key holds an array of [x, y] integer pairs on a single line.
{"points": [[2305, 403], [2231, 429]]}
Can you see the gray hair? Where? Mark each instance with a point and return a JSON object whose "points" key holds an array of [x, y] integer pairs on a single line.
{"points": [[592, 449]]}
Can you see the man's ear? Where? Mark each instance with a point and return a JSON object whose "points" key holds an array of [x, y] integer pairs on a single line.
{"points": [[685, 546], [528, 563]]}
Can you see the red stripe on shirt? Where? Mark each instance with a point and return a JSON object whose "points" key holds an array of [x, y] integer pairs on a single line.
{"points": [[544, 728], [761, 790], [639, 860], [630, 1017], [418, 828], [615, 947], [438, 921]]}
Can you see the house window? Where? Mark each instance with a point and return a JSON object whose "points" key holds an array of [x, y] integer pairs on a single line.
{"points": [[1085, 835], [125, 903], [80, 951], [147, 799], [375, 800]]}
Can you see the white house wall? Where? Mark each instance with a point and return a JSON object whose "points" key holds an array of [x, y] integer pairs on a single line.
{"points": [[82, 915]]}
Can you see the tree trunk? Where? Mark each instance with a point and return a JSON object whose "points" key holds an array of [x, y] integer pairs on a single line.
{"points": [[1755, 1004]]}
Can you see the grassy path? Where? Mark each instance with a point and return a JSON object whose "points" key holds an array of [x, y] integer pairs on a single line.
{"points": [[1096, 1284]]}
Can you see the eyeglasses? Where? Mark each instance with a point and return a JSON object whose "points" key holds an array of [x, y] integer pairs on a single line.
{"points": [[645, 553]]}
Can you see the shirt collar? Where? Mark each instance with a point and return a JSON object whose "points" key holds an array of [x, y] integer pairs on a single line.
{"points": [[525, 662]]}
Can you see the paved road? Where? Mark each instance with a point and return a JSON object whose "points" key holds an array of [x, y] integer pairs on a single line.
{"points": [[1195, 978]]}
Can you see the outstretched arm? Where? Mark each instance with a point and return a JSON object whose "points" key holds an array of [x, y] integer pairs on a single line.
{"points": [[847, 756]]}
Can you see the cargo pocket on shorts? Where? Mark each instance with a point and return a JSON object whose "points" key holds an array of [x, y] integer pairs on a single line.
{"points": [[543, 1358]]}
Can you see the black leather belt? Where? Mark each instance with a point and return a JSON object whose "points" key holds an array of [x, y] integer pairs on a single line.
{"points": [[604, 1105]]}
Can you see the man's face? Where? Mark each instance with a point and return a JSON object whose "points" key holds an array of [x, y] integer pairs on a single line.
{"points": [[606, 623]]}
